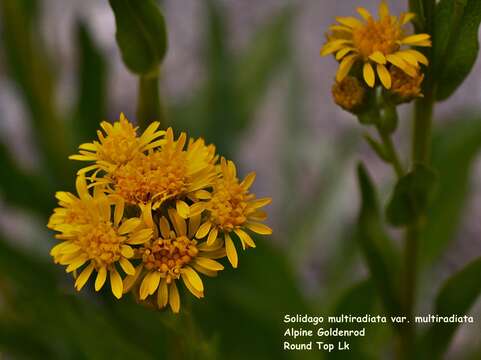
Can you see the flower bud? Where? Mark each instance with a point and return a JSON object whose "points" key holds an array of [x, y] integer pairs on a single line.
{"points": [[405, 88], [349, 94]]}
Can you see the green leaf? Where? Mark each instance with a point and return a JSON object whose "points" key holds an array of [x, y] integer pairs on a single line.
{"points": [[455, 146], [455, 43], [457, 296], [91, 107], [411, 196], [378, 250], [141, 34]]}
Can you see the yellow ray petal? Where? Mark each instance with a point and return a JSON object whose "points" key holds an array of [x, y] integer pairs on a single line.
{"points": [[129, 225], [174, 299], [413, 39], [383, 10], [100, 280], [378, 57], [384, 75], [259, 228], [162, 294], [212, 236], [366, 15], [154, 282], [116, 283], [368, 73], [400, 63], [245, 237], [203, 230], [209, 264], [407, 17], [127, 266], [333, 46], [343, 52], [345, 66], [419, 56], [84, 276], [193, 277], [231, 251], [349, 21], [182, 208]]}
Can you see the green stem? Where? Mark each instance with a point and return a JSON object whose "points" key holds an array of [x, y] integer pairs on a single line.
{"points": [[392, 153], [420, 155], [150, 107], [423, 112]]}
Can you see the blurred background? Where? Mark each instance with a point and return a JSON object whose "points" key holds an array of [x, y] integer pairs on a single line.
{"points": [[247, 76]]}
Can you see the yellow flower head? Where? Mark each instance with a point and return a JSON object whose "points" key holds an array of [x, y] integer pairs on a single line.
{"points": [[173, 171], [376, 44], [349, 93], [232, 208], [92, 238], [118, 145], [172, 255], [178, 197]]}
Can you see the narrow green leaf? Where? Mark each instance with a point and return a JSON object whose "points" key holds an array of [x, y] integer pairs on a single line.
{"points": [[456, 297], [380, 255], [455, 147], [455, 43], [141, 34], [91, 107], [411, 196]]}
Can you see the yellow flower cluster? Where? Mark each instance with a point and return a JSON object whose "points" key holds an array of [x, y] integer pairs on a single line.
{"points": [[382, 49], [157, 208]]}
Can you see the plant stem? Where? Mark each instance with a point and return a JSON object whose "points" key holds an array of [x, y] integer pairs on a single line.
{"points": [[393, 155], [420, 155], [150, 107], [423, 111]]}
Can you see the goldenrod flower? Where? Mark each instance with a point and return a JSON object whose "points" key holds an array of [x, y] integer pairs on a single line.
{"points": [[169, 172], [118, 145], [95, 239], [349, 93], [179, 199], [406, 87], [232, 209], [173, 255], [377, 44]]}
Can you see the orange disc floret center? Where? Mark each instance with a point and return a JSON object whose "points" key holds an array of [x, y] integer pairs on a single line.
{"points": [[101, 243], [229, 205], [382, 35], [168, 256], [158, 175], [119, 146]]}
